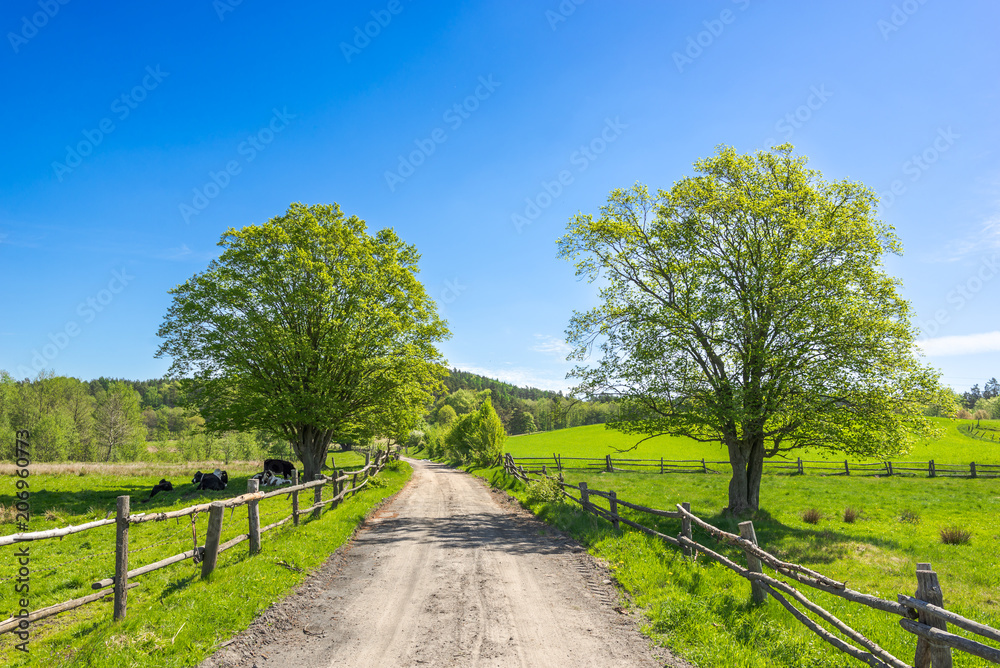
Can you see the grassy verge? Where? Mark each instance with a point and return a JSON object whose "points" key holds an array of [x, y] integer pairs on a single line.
{"points": [[704, 612], [174, 618]]}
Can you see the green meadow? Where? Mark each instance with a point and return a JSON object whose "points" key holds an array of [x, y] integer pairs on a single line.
{"points": [[705, 613], [954, 446], [174, 618]]}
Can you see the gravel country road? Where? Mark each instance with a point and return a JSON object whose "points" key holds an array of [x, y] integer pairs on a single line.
{"points": [[448, 573]]}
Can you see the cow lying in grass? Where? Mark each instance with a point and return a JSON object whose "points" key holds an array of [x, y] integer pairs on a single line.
{"points": [[215, 481], [162, 486], [269, 479], [279, 467]]}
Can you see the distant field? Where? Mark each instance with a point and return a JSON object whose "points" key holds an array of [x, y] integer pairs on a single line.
{"points": [[953, 447]]}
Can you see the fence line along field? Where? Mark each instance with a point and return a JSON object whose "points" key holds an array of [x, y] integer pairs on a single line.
{"points": [[921, 615], [173, 617], [868, 530]]}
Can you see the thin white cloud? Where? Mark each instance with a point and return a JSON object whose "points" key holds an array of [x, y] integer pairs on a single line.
{"points": [[520, 376], [176, 253], [968, 344], [986, 239], [551, 345]]}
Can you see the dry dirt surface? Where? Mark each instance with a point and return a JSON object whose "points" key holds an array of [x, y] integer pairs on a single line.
{"points": [[449, 573]]}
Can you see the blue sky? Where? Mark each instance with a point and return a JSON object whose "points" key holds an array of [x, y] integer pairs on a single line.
{"points": [[137, 133]]}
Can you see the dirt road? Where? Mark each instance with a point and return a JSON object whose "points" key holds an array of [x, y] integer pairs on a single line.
{"points": [[448, 574]]}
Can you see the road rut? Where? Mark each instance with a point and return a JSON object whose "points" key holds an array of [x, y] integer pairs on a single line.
{"points": [[448, 575]]}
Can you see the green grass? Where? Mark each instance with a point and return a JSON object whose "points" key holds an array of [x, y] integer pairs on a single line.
{"points": [[953, 447], [174, 618], [705, 613]]}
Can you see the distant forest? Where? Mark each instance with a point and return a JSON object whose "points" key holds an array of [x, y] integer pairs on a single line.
{"points": [[118, 419]]}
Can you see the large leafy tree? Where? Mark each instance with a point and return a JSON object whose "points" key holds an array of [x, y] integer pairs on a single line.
{"points": [[748, 305], [308, 328]]}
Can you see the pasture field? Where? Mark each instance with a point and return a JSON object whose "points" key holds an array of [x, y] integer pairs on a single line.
{"points": [[953, 447], [704, 612], [174, 618]]}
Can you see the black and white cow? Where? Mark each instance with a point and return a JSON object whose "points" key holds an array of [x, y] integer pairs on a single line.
{"points": [[162, 486], [279, 467], [215, 481]]}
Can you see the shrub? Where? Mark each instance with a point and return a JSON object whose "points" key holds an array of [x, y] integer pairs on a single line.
{"points": [[909, 517], [851, 514], [478, 436], [812, 516], [544, 490], [963, 414], [955, 535]]}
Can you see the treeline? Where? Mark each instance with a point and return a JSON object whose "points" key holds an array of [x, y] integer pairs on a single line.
{"points": [[521, 409], [111, 419], [974, 404]]}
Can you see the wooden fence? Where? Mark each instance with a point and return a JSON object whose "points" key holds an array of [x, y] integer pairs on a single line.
{"points": [[344, 482], [611, 464], [922, 614]]}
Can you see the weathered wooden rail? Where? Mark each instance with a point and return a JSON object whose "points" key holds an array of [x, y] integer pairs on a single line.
{"points": [[608, 464], [922, 614], [343, 483]]}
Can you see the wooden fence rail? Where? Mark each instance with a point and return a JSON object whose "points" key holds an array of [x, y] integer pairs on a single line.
{"points": [[922, 614], [207, 553], [609, 464]]}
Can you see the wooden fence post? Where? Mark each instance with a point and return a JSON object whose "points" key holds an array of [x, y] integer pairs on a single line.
{"points": [[928, 589], [847, 469], [801, 472], [559, 463], [686, 529], [215, 513], [584, 497], [368, 459], [295, 497], [613, 504], [753, 563], [608, 467], [544, 472], [121, 558], [930, 469], [661, 465], [972, 469], [704, 468], [889, 464], [253, 515], [338, 486], [354, 483], [317, 497]]}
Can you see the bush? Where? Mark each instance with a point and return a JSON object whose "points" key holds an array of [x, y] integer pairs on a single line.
{"points": [[812, 516], [909, 517], [478, 436], [955, 535], [851, 515], [544, 490]]}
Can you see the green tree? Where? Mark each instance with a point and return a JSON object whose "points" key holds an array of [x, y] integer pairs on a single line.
{"points": [[462, 401], [308, 328], [478, 436], [523, 422], [446, 416], [118, 422], [748, 305]]}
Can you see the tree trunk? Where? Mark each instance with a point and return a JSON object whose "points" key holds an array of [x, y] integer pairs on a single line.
{"points": [[747, 460], [311, 445]]}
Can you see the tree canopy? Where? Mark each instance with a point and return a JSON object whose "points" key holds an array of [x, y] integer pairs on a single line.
{"points": [[308, 328], [748, 305]]}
